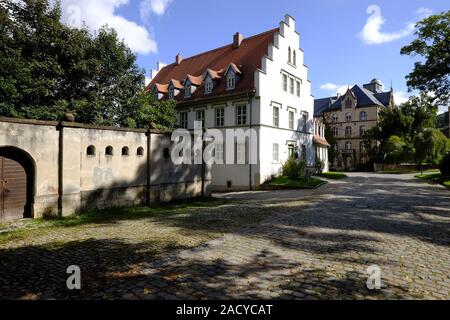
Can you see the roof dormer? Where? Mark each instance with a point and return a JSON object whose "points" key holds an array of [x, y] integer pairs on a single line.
{"points": [[191, 83], [211, 79], [159, 90], [232, 76]]}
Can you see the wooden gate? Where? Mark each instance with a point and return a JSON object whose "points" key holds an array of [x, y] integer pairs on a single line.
{"points": [[13, 189]]}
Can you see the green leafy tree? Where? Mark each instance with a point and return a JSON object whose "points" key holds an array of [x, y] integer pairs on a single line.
{"points": [[48, 69], [395, 149], [432, 44], [430, 147]]}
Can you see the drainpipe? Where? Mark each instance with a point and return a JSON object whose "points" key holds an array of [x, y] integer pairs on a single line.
{"points": [[251, 95]]}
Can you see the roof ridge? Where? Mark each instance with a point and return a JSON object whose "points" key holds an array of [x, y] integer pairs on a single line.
{"points": [[227, 45]]}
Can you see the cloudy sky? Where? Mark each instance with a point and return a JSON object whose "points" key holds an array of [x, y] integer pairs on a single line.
{"points": [[345, 41]]}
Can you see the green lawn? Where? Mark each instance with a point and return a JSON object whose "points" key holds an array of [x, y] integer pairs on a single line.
{"points": [[406, 171], [333, 175], [434, 176], [288, 183]]}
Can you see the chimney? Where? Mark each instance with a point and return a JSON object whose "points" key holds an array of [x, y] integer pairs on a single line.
{"points": [[178, 59], [237, 40]]}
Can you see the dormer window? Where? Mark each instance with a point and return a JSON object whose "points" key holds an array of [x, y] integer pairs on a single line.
{"points": [[171, 92], [231, 80], [187, 90], [348, 103], [209, 85]]}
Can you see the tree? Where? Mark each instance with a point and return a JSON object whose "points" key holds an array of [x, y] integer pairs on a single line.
{"points": [[430, 147], [48, 69], [395, 149], [433, 45]]}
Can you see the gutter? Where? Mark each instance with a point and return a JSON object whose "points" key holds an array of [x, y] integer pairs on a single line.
{"points": [[251, 94]]}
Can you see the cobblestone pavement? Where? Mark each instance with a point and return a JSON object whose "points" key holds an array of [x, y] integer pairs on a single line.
{"points": [[315, 245]]}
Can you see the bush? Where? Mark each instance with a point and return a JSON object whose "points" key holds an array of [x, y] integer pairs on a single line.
{"points": [[294, 169], [444, 166]]}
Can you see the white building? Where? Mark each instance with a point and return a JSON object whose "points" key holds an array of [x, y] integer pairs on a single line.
{"points": [[257, 83]]}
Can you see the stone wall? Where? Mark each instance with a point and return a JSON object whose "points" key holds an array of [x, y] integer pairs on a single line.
{"points": [[80, 167]]}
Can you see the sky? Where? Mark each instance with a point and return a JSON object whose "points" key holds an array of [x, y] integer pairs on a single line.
{"points": [[346, 42]]}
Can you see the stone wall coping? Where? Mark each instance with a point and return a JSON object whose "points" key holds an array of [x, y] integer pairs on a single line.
{"points": [[66, 124]]}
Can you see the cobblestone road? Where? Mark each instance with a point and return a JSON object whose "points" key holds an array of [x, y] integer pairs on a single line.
{"points": [[315, 245]]}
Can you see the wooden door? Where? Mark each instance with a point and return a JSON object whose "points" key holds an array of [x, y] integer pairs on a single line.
{"points": [[13, 189]]}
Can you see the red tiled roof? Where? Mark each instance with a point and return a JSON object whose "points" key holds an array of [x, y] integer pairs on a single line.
{"points": [[177, 84], [163, 88], [245, 60], [321, 141]]}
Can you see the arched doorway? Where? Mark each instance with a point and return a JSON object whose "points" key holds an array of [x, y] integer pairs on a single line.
{"points": [[17, 175]]}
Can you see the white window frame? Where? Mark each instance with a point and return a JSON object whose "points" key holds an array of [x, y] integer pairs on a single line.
{"points": [[200, 118], [348, 133], [241, 153], [291, 85], [291, 120], [241, 114], [184, 119], [305, 117], [188, 90], [219, 154], [298, 87], [348, 143], [275, 152], [285, 82], [220, 117], [361, 117], [276, 116], [334, 117], [231, 80], [209, 85], [335, 131]]}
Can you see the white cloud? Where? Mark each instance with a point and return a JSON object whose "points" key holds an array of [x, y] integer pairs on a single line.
{"points": [[400, 97], [95, 14], [372, 34], [156, 6], [334, 88], [424, 12]]}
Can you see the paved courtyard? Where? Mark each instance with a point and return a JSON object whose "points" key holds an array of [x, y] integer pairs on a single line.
{"points": [[300, 245]]}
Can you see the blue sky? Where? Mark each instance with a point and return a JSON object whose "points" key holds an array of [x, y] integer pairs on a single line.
{"points": [[337, 50]]}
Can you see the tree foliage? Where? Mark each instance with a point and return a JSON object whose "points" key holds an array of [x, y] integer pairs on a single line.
{"points": [[402, 130], [48, 69], [432, 43]]}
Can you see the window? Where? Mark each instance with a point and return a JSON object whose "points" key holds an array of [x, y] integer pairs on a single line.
{"points": [[305, 121], [348, 116], [220, 117], [231, 80], [298, 88], [362, 146], [171, 93], [362, 116], [362, 130], [240, 153], [276, 117], [289, 55], [90, 151], [218, 147], [275, 154], [285, 79], [348, 131], [241, 115], [109, 151], [208, 85], [187, 90], [200, 116], [291, 150], [125, 151], [294, 58], [291, 85], [334, 118], [348, 145], [140, 151], [303, 152], [348, 103], [334, 131], [291, 120], [183, 120]]}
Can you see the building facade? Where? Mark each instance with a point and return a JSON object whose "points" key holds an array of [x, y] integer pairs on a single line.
{"points": [[349, 116], [257, 83]]}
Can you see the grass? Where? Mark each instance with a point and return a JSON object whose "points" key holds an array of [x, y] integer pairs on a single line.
{"points": [[333, 175], [170, 214], [289, 183], [406, 171], [435, 176]]}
